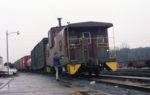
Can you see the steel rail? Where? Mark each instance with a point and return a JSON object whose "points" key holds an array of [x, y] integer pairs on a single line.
{"points": [[120, 83]]}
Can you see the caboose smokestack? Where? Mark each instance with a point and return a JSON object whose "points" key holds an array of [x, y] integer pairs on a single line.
{"points": [[59, 21]]}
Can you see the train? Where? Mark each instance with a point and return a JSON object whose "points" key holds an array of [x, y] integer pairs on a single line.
{"points": [[82, 47], [138, 64], [24, 63]]}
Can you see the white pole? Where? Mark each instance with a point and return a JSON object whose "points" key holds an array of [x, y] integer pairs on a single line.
{"points": [[7, 51], [7, 48]]}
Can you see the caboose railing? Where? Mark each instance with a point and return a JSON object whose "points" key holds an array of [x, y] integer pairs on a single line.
{"points": [[98, 41]]}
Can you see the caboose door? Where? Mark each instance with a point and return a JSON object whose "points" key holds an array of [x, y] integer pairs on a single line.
{"points": [[86, 45], [87, 37]]}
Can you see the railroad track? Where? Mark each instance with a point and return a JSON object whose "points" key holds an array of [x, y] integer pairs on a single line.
{"points": [[129, 82], [129, 72]]}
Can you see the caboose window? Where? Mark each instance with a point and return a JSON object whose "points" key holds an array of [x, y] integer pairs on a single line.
{"points": [[55, 33], [73, 39], [87, 36], [100, 39]]}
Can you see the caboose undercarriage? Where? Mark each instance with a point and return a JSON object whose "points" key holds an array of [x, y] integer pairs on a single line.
{"points": [[81, 68]]}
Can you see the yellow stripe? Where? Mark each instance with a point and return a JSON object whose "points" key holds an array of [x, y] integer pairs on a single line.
{"points": [[73, 68], [112, 65], [48, 69]]}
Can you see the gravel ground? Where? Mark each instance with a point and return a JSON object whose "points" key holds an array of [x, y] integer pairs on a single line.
{"points": [[93, 88]]}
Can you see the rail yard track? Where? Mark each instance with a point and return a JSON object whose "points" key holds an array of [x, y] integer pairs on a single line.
{"points": [[129, 82], [129, 72]]}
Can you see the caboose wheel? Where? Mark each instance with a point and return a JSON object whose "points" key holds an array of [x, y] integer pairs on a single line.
{"points": [[97, 72], [89, 72]]}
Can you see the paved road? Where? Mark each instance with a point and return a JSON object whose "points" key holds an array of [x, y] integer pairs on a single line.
{"points": [[4, 81], [35, 84]]}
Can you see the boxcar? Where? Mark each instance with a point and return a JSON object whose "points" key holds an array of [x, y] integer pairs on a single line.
{"points": [[38, 55], [22, 63]]}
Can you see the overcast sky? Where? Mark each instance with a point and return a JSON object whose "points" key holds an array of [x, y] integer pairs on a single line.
{"points": [[33, 18]]}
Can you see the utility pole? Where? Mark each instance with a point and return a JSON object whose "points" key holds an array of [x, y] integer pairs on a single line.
{"points": [[7, 47]]}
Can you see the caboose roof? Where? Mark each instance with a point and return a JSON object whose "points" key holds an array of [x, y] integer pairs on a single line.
{"points": [[91, 24], [83, 24]]}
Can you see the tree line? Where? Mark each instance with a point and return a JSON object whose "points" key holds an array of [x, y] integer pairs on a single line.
{"points": [[126, 54]]}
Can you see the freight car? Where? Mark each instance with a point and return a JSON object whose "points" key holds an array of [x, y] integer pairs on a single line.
{"points": [[38, 56], [22, 64], [83, 47], [139, 63]]}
